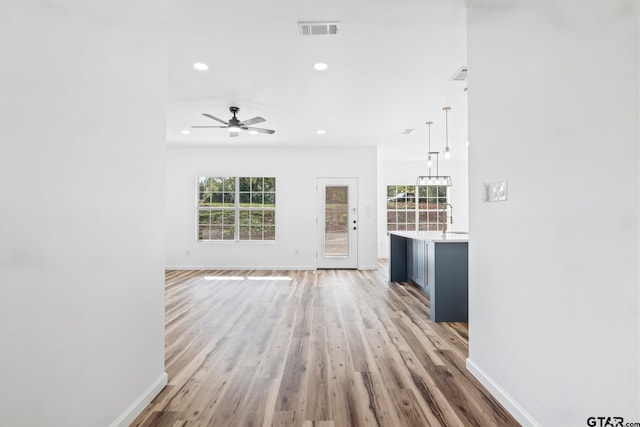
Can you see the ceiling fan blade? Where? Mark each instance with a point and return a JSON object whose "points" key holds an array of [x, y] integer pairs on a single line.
{"points": [[223, 127], [214, 118], [260, 130], [253, 121]]}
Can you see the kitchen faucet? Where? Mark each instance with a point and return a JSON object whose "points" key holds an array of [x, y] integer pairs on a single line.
{"points": [[444, 228]]}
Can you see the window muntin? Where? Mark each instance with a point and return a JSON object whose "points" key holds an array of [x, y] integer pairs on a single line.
{"points": [[236, 208]]}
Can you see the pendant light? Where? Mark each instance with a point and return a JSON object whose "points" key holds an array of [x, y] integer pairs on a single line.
{"points": [[447, 153], [429, 160], [428, 180]]}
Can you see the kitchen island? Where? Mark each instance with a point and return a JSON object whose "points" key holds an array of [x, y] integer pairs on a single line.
{"points": [[438, 264]]}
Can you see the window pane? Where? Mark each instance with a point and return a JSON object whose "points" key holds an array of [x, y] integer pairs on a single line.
{"points": [[245, 184], [230, 184], [411, 217], [336, 221], [256, 199], [392, 217], [244, 232], [411, 227], [202, 183], [402, 217], [204, 199], [245, 217], [216, 217], [216, 199], [269, 233], [422, 203], [228, 217], [270, 218], [215, 233], [228, 233], [256, 218], [204, 217], [269, 184], [256, 233], [229, 200], [392, 227], [270, 200], [245, 200], [217, 184], [203, 232], [256, 184]]}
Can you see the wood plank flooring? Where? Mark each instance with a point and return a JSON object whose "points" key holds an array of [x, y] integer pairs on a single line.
{"points": [[326, 348]]}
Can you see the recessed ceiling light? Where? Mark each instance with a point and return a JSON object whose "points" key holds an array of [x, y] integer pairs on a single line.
{"points": [[321, 132], [185, 132], [320, 66], [200, 66]]}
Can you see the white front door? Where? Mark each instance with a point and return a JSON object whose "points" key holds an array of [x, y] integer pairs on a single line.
{"points": [[337, 223]]}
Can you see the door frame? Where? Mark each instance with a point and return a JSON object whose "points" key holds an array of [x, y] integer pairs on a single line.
{"points": [[338, 262]]}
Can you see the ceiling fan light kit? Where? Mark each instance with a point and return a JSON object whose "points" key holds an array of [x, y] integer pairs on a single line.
{"points": [[235, 126]]}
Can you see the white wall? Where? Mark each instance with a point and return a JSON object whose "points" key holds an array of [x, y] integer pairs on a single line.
{"points": [[81, 223], [407, 172], [296, 170], [553, 109]]}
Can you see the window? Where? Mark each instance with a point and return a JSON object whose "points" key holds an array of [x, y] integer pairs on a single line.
{"points": [[401, 207], [426, 212], [236, 208]]}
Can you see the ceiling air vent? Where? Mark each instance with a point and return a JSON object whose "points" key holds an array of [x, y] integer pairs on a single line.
{"points": [[460, 75], [318, 28]]}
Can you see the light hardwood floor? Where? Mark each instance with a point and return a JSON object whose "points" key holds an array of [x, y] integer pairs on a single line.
{"points": [[326, 348]]}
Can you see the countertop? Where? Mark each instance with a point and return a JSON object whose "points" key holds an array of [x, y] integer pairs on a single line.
{"points": [[433, 236]]}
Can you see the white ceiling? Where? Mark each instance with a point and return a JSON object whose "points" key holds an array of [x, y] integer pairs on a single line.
{"points": [[389, 70]]}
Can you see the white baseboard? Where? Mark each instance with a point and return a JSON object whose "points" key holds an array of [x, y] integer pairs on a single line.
{"points": [[268, 268], [510, 404], [227, 267], [141, 402]]}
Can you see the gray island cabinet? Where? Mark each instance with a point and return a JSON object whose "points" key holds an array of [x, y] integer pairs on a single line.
{"points": [[439, 265]]}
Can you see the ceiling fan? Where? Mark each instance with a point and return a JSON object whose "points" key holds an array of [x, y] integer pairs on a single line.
{"points": [[235, 125]]}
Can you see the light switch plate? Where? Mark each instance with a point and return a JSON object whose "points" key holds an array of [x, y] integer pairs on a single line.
{"points": [[495, 191]]}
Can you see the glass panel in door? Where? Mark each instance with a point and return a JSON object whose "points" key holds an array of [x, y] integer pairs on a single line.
{"points": [[336, 229]]}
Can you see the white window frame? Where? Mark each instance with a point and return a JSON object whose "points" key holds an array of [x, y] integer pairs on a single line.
{"points": [[236, 208], [416, 210]]}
